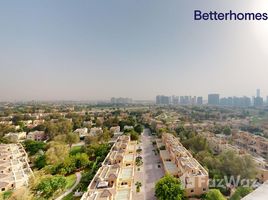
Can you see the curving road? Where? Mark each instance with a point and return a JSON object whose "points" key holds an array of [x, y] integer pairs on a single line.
{"points": [[78, 179]]}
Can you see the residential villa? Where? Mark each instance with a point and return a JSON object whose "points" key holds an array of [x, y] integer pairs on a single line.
{"points": [[37, 136], [219, 143], [178, 162], [254, 144], [82, 132], [95, 131], [14, 167], [115, 129], [16, 137], [262, 167], [114, 179]]}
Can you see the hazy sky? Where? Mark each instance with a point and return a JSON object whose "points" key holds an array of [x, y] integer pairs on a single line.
{"points": [[88, 50]]}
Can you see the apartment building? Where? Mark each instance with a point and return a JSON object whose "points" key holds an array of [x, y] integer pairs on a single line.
{"points": [[179, 162], [14, 167], [254, 144], [114, 179]]}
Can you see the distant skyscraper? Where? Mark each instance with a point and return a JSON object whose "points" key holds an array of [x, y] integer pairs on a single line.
{"points": [[213, 99], [121, 100], [199, 100], [163, 100], [258, 93], [258, 101]]}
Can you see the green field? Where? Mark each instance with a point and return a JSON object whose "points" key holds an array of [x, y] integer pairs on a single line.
{"points": [[70, 181]]}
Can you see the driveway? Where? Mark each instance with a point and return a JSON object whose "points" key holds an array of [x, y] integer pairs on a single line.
{"points": [[151, 161]]}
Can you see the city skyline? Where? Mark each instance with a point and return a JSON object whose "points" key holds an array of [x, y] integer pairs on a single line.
{"points": [[95, 50]]}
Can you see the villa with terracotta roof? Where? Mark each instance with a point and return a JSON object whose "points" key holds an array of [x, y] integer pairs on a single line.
{"points": [[178, 162], [114, 179], [14, 167]]}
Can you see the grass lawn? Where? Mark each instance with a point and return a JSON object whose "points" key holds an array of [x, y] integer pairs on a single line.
{"points": [[70, 181], [5, 195], [75, 150], [71, 197]]}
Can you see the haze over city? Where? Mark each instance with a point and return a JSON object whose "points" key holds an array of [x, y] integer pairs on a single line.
{"points": [[93, 50]]}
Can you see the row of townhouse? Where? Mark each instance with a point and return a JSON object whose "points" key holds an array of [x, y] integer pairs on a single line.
{"points": [[20, 136], [14, 167], [254, 144], [219, 143], [179, 162], [114, 179]]}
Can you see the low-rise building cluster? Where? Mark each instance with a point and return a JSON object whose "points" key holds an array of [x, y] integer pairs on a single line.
{"points": [[252, 143], [14, 167], [179, 162], [114, 179]]}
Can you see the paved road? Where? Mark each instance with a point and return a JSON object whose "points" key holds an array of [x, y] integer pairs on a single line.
{"points": [[151, 171], [78, 178]]}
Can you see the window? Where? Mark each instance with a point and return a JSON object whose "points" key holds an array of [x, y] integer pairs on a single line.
{"points": [[204, 189], [3, 189], [192, 191]]}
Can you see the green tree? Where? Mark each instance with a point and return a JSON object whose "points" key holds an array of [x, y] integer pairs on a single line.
{"points": [[32, 147], [138, 128], [56, 153], [138, 186], [72, 138], [227, 130], [81, 160], [196, 144], [67, 166], [91, 139], [40, 162], [60, 127], [169, 188], [50, 185], [241, 192], [134, 135], [233, 164], [214, 194]]}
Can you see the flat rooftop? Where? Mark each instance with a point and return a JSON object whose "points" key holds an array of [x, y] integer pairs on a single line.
{"points": [[126, 173], [170, 167], [164, 154], [129, 157], [122, 194]]}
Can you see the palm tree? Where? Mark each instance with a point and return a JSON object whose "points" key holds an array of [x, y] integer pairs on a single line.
{"points": [[138, 186]]}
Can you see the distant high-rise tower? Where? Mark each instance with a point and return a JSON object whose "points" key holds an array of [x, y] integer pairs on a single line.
{"points": [[258, 93], [164, 100], [213, 99], [199, 100]]}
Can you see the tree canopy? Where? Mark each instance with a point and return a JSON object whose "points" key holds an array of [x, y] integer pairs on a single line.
{"points": [[214, 194], [241, 192], [169, 188]]}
